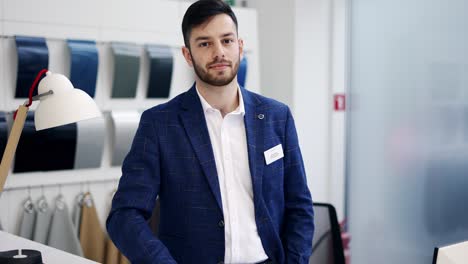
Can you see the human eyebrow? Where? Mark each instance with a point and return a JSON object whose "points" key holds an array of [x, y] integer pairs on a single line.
{"points": [[227, 35], [202, 38]]}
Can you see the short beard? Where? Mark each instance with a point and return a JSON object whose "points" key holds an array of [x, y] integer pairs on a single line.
{"points": [[213, 80]]}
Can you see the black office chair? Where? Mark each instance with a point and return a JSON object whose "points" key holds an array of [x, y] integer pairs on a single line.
{"points": [[327, 247]]}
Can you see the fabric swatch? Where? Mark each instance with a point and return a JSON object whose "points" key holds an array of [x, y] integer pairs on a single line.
{"points": [[90, 143], [33, 56], [84, 65], [62, 232], [3, 133], [26, 227], [126, 69], [242, 73], [42, 223], [45, 150], [92, 238], [161, 63], [125, 126]]}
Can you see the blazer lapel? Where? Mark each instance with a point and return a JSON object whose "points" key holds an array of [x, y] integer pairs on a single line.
{"points": [[254, 125], [194, 124]]}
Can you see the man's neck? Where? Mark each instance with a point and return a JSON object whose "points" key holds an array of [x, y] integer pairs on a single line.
{"points": [[224, 98]]}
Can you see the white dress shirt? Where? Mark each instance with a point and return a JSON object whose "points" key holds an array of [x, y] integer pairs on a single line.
{"points": [[229, 142]]}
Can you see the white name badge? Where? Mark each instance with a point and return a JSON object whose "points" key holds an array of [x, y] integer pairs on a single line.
{"points": [[273, 154]]}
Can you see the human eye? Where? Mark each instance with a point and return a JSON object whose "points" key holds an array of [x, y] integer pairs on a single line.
{"points": [[228, 41], [203, 44]]}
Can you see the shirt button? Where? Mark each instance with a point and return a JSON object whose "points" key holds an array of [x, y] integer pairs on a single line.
{"points": [[221, 223]]}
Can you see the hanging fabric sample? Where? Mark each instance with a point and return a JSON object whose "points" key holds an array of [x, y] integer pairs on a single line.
{"points": [[76, 217], [3, 132], [92, 238], [242, 73], [84, 65], [125, 125], [26, 228], [62, 232], [126, 69], [161, 63], [90, 143], [42, 223], [60, 143], [33, 56]]}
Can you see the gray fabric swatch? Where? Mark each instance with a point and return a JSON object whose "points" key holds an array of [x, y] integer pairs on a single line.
{"points": [[125, 126], [62, 232], [26, 228], [90, 143], [77, 213], [126, 69], [42, 224]]}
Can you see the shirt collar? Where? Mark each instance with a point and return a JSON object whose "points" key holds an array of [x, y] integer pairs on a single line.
{"points": [[206, 106]]}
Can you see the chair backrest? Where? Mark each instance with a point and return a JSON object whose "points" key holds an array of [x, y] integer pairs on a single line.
{"points": [[327, 247], [451, 254]]}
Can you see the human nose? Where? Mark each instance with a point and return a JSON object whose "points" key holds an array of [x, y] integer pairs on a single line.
{"points": [[218, 51]]}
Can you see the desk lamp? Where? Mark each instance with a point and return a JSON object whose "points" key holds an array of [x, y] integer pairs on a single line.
{"points": [[60, 104]]}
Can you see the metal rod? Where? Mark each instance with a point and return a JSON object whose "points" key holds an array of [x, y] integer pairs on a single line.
{"points": [[87, 181], [39, 96]]}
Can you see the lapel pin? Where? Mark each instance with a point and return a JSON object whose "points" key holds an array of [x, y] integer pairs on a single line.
{"points": [[261, 116]]}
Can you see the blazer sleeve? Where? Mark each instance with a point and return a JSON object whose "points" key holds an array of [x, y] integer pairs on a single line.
{"points": [[135, 198], [298, 228]]}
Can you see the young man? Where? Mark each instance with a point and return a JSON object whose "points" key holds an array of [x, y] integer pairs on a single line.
{"points": [[224, 162]]}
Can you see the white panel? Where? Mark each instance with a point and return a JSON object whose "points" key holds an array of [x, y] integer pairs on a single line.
{"points": [[276, 55], [247, 23], [2, 74], [79, 13], [1, 12], [311, 92], [138, 36], [49, 30], [142, 15], [59, 56], [338, 85], [182, 74]]}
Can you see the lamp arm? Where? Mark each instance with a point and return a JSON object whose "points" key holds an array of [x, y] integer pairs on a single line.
{"points": [[13, 139]]}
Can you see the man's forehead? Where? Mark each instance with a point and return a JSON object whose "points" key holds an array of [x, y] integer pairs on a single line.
{"points": [[216, 26]]}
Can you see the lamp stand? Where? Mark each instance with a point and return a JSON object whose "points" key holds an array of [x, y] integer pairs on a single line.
{"points": [[13, 139]]}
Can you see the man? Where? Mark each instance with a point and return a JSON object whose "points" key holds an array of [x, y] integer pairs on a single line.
{"points": [[224, 162]]}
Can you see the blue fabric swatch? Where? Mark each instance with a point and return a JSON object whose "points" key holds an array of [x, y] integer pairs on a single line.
{"points": [[33, 56], [242, 73], [84, 65], [3, 133]]}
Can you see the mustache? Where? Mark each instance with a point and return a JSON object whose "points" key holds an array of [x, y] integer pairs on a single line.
{"points": [[222, 61]]}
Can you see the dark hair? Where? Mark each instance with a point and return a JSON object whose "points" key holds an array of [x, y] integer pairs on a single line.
{"points": [[201, 11]]}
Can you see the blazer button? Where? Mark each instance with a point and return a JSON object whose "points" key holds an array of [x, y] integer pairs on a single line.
{"points": [[221, 223], [221, 262]]}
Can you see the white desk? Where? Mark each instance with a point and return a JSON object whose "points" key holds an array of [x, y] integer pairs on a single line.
{"points": [[50, 255]]}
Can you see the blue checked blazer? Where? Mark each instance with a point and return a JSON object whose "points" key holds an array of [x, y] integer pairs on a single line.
{"points": [[171, 157]]}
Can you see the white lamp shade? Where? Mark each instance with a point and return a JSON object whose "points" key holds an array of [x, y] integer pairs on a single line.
{"points": [[66, 105]]}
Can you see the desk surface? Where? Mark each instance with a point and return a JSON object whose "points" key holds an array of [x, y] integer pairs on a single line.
{"points": [[50, 255]]}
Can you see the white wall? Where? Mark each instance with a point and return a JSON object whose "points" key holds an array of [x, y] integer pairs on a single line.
{"points": [[276, 37], [145, 21], [302, 51]]}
